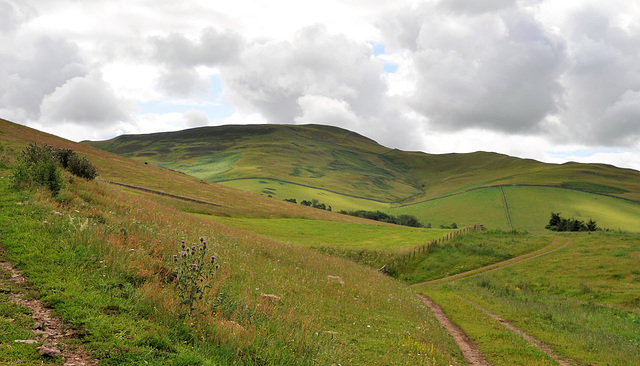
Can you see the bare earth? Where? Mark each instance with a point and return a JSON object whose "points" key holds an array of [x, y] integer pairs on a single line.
{"points": [[49, 330], [469, 351]]}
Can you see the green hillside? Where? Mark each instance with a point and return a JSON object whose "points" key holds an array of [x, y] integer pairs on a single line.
{"points": [[100, 256], [348, 171]]}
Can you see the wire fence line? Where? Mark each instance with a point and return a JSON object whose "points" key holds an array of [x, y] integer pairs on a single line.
{"points": [[426, 247]]}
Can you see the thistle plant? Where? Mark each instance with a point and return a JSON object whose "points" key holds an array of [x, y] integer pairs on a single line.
{"points": [[195, 267]]}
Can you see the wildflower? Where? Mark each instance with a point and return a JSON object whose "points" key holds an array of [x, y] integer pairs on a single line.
{"points": [[175, 257], [193, 247], [213, 258], [195, 264]]}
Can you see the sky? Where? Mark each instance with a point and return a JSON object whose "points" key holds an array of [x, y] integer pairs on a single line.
{"points": [[550, 80]]}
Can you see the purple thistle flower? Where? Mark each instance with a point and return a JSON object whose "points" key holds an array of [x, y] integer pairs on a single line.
{"points": [[213, 257], [194, 265], [193, 247]]}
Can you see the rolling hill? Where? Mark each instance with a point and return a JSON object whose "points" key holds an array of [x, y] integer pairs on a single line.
{"points": [[349, 171], [99, 255]]}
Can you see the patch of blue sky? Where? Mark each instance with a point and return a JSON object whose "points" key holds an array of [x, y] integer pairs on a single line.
{"points": [[214, 104], [390, 68], [379, 50]]}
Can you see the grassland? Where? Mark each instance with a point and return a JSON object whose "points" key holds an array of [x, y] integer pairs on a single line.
{"points": [[101, 258], [582, 300], [348, 171], [334, 159], [284, 190], [530, 208], [372, 245]]}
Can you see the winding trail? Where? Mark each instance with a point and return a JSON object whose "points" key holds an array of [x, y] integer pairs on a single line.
{"points": [[49, 331], [470, 352], [555, 245]]}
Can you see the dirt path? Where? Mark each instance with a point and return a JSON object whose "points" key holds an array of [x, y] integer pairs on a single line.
{"points": [[554, 246], [536, 342], [49, 330], [469, 351]]}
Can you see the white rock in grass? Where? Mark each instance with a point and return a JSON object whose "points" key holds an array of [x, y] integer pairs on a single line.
{"points": [[336, 278]]}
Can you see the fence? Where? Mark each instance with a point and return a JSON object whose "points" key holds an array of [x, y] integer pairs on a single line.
{"points": [[426, 247]]}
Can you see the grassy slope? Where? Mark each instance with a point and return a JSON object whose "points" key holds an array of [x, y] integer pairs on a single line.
{"points": [[583, 301], [529, 208], [334, 166], [106, 269], [335, 159]]}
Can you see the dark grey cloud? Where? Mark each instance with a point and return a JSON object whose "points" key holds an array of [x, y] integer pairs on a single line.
{"points": [[497, 70], [85, 100], [28, 76]]}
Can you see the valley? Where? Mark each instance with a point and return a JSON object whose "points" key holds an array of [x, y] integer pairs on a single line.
{"points": [[298, 285]]}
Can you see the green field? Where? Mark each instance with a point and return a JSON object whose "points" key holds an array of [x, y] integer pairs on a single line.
{"points": [[530, 208], [482, 206], [582, 300], [283, 190]]}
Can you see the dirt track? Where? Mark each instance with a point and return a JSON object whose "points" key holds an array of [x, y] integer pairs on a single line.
{"points": [[469, 351], [49, 330]]}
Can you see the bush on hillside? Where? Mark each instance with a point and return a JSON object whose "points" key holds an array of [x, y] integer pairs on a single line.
{"points": [[43, 164], [38, 165], [558, 223], [81, 167]]}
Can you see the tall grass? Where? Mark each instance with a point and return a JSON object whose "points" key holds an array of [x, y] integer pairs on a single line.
{"points": [[102, 260]]}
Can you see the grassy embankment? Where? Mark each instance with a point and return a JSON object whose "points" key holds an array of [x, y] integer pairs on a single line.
{"points": [[582, 300], [101, 258]]}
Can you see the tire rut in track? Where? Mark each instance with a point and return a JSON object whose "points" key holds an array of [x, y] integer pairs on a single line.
{"points": [[469, 351]]}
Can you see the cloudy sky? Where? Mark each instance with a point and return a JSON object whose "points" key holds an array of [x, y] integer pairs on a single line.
{"points": [[545, 79]]}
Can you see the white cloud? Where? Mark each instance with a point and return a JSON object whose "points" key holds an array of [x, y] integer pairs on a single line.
{"points": [[195, 118], [85, 101], [522, 77]]}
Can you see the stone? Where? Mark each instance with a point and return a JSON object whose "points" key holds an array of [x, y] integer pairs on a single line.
{"points": [[48, 351]]}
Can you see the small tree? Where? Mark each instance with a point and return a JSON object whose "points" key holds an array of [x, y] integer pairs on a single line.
{"points": [[591, 225]]}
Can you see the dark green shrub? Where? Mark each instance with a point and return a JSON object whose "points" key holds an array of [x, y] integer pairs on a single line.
{"points": [[81, 167], [38, 165]]}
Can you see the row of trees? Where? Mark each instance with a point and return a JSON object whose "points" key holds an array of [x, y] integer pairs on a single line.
{"points": [[558, 223], [405, 220], [313, 203]]}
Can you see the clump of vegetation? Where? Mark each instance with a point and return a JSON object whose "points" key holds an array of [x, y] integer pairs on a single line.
{"points": [[42, 165], [452, 226], [315, 204], [38, 165], [558, 223], [194, 269], [404, 220]]}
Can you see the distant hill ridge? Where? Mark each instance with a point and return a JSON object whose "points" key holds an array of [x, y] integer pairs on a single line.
{"points": [[338, 160]]}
